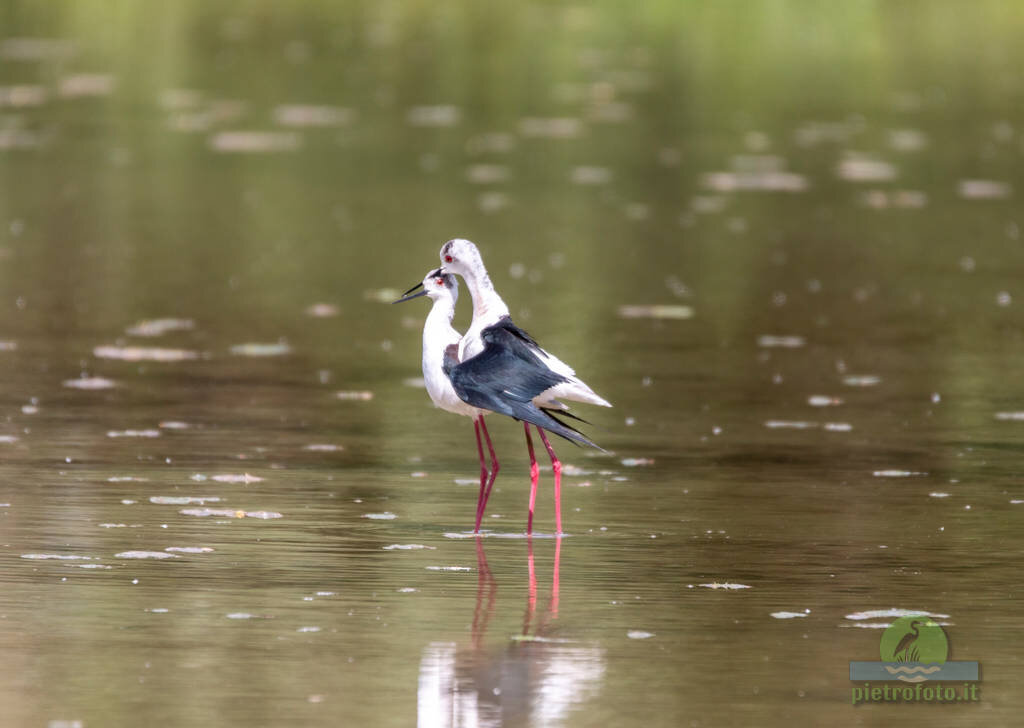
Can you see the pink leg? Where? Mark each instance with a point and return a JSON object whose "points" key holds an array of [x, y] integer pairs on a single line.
{"points": [[483, 466], [486, 493], [534, 477], [556, 466]]}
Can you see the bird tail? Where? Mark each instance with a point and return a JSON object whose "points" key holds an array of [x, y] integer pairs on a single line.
{"points": [[545, 420]]}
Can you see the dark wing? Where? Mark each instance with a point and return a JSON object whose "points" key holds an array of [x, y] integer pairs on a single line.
{"points": [[506, 376]]}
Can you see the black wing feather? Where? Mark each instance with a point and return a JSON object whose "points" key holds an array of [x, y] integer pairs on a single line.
{"points": [[506, 376]]}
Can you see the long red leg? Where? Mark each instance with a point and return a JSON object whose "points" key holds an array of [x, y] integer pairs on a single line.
{"points": [[556, 466], [482, 506], [534, 477], [483, 467]]}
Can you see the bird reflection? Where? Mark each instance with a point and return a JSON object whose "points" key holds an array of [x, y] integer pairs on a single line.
{"points": [[533, 679]]}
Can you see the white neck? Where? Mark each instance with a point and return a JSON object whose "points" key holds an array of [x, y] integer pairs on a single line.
{"points": [[487, 304], [438, 332]]}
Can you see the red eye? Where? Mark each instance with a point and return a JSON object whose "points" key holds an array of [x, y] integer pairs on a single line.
{"points": [[448, 259], [439, 281]]}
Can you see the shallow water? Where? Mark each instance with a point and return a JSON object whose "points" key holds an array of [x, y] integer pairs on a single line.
{"points": [[785, 245]]}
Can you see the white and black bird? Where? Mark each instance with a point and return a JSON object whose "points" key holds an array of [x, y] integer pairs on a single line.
{"points": [[440, 360], [498, 366]]}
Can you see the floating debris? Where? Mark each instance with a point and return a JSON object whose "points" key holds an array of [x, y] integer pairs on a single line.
{"points": [[492, 201], [175, 99], [308, 630], [237, 478], [143, 353], [263, 515], [639, 634], [36, 49], [823, 400], [382, 295], [634, 462], [448, 568], [159, 327], [983, 189], [938, 494], [8, 439], [307, 115], [551, 128], [724, 585], [322, 447], [813, 133], [322, 310], [865, 169], [174, 425], [59, 557], [790, 424], [656, 311], [22, 96], [241, 615], [386, 516], [865, 380], [1011, 416], [133, 433], [590, 175], [838, 426], [189, 549], [407, 547], [228, 513], [126, 479], [82, 85], [90, 383], [483, 174], [894, 612], [899, 199], [765, 180], [771, 341], [183, 500], [440, 115], [790, 615], [247, 142], [144, 555], [897, 473], [363, 396], [258, 350]]}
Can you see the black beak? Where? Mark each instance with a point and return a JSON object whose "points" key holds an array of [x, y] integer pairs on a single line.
{"points": [[407, 297]]}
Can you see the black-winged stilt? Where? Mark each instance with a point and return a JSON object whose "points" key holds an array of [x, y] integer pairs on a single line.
{"points": [[500, 367], [438, 335]]}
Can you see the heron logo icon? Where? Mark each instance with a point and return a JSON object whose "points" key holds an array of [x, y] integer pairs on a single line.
{"points": [[914, 639], [914, 649]]}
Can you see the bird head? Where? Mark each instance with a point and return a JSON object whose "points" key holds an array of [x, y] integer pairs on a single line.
{"points": [[461, 257], [437, 284]]}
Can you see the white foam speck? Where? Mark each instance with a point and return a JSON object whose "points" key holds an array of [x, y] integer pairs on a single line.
{"points": [[90, 383], [789, 615], [639, 634], [386, 516], [724, 585], [407, 547], [893, 612], [144, 555]]}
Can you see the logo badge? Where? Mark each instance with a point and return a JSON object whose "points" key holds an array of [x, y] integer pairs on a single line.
{"points": [[914, 649]]}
